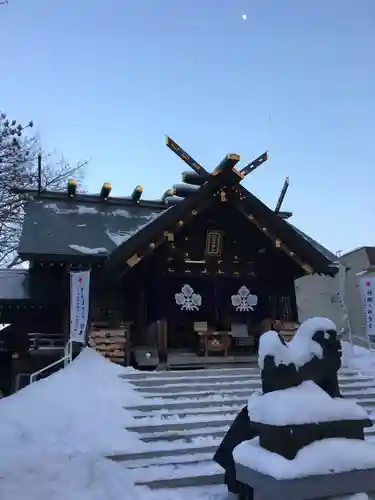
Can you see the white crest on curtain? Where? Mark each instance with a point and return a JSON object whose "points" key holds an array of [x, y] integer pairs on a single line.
{"points": [[243, 300], [187, 299]]}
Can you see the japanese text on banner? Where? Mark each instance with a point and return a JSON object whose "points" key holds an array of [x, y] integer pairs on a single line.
{"points": [[367, 285], [79, 305]]}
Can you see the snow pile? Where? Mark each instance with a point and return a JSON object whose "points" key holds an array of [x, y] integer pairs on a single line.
{"points": [[300, 350], [327, 456], [358, 496], [358, 358], [56, 433], [306, 403]]}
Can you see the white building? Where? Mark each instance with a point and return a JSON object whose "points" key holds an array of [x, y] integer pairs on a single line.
{"points": [[319, 295]]}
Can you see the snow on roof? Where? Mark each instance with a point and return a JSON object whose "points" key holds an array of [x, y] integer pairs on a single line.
{"points": [[305, 404], [88, 251], [327, 456], [56, 433], [61, 226]]}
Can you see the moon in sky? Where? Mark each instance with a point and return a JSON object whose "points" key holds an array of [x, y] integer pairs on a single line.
{"points": [[244, 17]]}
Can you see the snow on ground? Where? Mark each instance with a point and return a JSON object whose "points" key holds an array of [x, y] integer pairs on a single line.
{"points": [[358, 358], [56, 433]]}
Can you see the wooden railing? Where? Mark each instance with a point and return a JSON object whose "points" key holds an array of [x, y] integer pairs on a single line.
{"points": [[44, 341]]}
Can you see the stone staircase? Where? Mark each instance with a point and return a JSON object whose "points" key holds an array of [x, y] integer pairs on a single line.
{"points": [[185, 415]]}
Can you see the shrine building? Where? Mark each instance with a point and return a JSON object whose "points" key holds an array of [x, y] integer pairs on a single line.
{"points": [[193, 277]]}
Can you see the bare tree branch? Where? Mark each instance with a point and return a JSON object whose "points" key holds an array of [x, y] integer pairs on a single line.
{"points": [[18, 168]]}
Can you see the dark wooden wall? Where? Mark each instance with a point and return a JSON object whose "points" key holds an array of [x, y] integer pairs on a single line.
{"points": [[246, 253]]}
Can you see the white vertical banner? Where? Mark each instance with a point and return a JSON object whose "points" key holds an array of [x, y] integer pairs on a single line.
{"points": [[79, 305], [367, 287]]}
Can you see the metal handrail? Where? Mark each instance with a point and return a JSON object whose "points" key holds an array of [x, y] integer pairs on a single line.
{"points": [[67, 358]]}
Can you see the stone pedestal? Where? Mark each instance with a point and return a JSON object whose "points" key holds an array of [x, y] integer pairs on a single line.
{"points": [[287, 440], [304, 488]]}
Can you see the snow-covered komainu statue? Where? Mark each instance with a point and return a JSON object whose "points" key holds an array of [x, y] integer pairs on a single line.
{"points": [[314, 353], [312, 357]]}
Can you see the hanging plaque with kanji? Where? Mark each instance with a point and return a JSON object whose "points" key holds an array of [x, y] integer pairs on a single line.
{"points": [[214, 244]]}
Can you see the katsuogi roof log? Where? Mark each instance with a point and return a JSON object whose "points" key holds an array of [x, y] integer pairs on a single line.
{"points": [[137, 193], [184, 190], [194, 179]]}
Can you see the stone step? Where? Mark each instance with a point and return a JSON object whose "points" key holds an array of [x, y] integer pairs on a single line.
{"points": [[255, 384], [164, 453], [192, 414], [186, 436], [198, 394], [170, 471], [369, 404], [203, 492], [370, 396], [354, 392], [229, 408], [238, 379], [176, 405], [184, 426], [191, 373], [188, 481], [203, 472], [175, 460], [177, 382], [218, 372], [202, 413], [179, 475], [198, 388]]}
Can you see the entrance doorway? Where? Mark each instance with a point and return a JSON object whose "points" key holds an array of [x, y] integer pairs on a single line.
{"points": [[181, 336]]}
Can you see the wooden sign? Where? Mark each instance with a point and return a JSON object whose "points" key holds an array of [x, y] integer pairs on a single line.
{"points": [[200, 326], [214, 244]]}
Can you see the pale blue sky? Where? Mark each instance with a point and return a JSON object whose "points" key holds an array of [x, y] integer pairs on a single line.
{"points": [[106, 79]]}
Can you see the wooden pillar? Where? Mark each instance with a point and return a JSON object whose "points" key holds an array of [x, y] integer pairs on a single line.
{"points": [[162, 335], [140, 316]]}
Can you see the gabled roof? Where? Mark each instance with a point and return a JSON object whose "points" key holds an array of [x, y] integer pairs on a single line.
{"points": [[310, 258], [323, 250], [295, 241], [121, 230]]}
